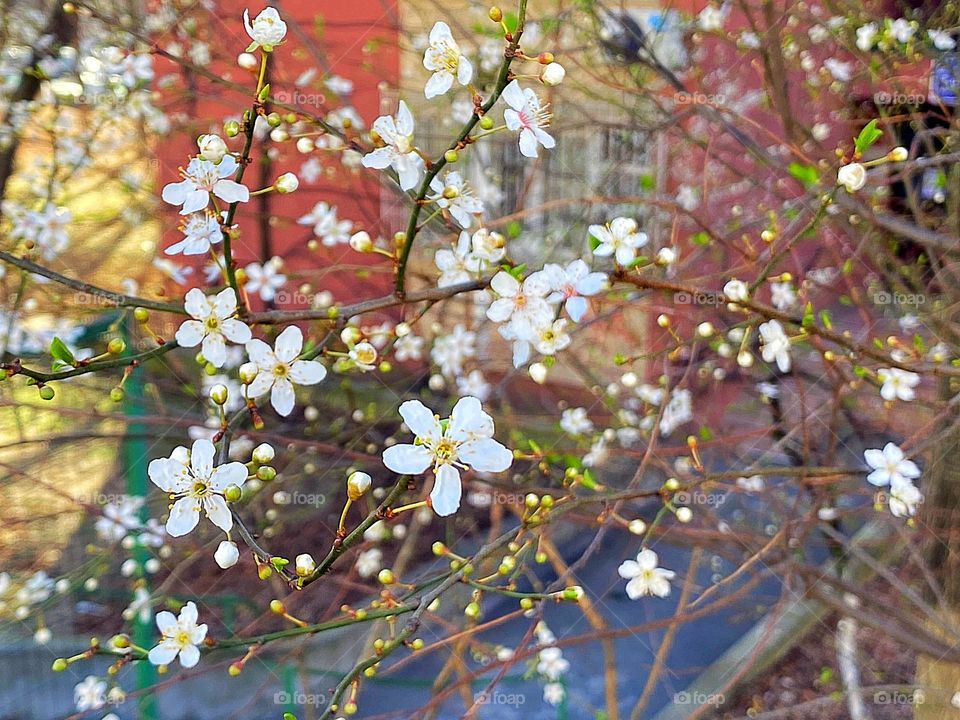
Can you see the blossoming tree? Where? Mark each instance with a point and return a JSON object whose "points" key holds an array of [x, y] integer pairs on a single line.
{"points": [[728, 357]]}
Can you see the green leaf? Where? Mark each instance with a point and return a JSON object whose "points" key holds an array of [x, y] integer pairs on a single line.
{"points": [[807, 316], [60, 351], [867, 137], [806, 174], [825, 319]]}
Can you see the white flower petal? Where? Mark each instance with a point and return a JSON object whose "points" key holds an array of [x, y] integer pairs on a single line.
{"points": [[407, 459], [445, 496]]}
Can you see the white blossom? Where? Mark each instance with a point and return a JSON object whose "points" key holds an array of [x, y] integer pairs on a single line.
{"points": [[527, 116], [444, 59], [645, 577], [201, 231], [264, 280], [267, 29], [200, 179], [464, 441], [620, 238], [280, 369], [897, 384], [775, 344], [398, 149], [196, 483], [180, 636], [326, 226], [890, 466], [212, 324]]}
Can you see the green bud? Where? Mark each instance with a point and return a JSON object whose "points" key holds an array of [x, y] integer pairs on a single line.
{"points": [[117, 394], [472, 610], [526, 603], [116, 346], [141, 315], [451, 156], [231, 128], [233, 493], [486, 122], [59, 665], [274, 119], [46, 393], [386, 577], [266, 473]]}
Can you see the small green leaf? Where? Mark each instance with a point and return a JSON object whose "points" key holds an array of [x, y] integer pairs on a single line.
{"points": [[806, 174], [807, 316], [867, 137], [60, 351], [825, 319]]}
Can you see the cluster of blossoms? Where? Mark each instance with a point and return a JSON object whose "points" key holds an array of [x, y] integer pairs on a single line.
{"points": [[889, 34], [527, 309]]}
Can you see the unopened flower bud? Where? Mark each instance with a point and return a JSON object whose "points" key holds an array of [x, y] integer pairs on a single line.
{"points": [[684, 514], [496, 14], [46, 393], [277, 608], [386, 577], [141, 315], [305, 564], [637, 527], [451, 156], [263, 454], [472, 610], [219, 393], [212, 148], [117, 394], [553, 74], [357, 485], [350, 334], [266, 473], [227, 554], [231, 128], [898, 154], [361, 242], [116, 346], [233, 493], [247, 61], [287, 183], [486, 122], [248, 371], [305, 145]]}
